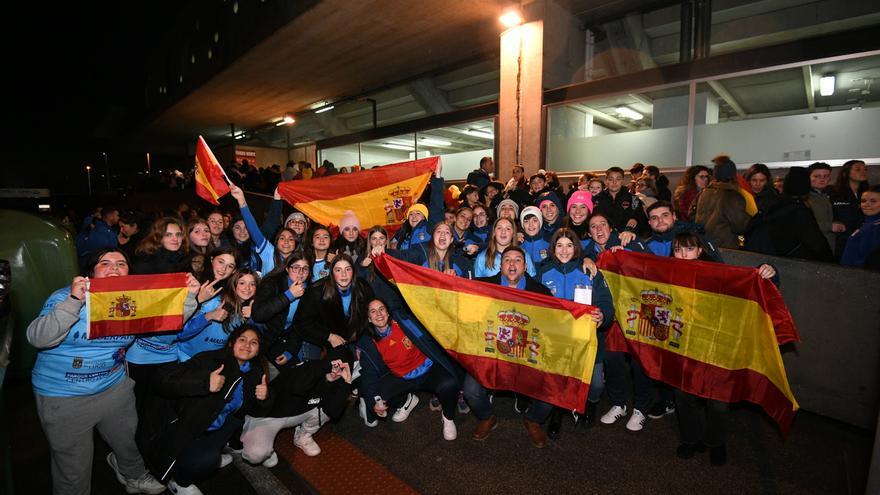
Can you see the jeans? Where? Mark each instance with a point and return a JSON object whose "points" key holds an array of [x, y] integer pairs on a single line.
{"points": [[309, 352], [478, 398], [615, 382]]}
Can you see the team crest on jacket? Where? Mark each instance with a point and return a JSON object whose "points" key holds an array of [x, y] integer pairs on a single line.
{"points": [[511, 338], [652, 315], [122, 307], [397, 201]]}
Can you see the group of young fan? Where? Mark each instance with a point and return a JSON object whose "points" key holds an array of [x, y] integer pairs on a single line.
{"points": [[284, 324]]}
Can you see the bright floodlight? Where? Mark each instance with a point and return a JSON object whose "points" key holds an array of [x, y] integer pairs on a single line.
{"points": [[510, 19], [826, 85], [629, 113]]}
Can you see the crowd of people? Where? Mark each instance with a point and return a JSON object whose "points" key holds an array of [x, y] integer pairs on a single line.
{"points": [[286, 326]]}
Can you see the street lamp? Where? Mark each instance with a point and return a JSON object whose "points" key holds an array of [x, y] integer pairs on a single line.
{"points": [[89, 176]]}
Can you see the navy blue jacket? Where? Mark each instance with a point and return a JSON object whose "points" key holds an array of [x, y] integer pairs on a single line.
{"points": [[592, 250]]}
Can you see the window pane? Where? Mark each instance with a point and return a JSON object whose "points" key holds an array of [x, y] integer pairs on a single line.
{"points": [[461, 146]]}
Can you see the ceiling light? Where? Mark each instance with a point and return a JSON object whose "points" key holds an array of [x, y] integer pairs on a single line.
{"points": [[510, 19], [629, 113], [437, 142], [324, 109], [826, 85], [482, 134], [400, 147]]}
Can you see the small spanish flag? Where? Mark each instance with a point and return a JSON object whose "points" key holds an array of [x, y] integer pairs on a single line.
{"points": [[380, 196], [135, 304], [709, 329], [211, 181], [506, 338]]}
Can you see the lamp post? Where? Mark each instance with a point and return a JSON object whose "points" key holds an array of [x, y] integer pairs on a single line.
{"points": [[89, 177]]}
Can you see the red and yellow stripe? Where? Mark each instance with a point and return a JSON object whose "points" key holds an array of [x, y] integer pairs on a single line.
{"points": [[553, 352], [135, 304], [379, 196], [211, 183], [720, 328]]}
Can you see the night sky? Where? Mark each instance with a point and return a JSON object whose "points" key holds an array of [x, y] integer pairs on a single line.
{"points": [[76, 74]]}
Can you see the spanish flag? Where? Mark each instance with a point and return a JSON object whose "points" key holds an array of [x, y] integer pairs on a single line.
{"points": [[708, 329], [380, 196], [135, 304], [506, 338], [211, 181], [746, 192]]}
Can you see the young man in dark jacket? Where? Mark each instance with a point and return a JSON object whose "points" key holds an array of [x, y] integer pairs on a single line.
{"points": [[512, 274], [622, 209]]}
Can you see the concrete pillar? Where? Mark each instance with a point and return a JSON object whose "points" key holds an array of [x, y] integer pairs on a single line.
{"points": [[546, 51]]}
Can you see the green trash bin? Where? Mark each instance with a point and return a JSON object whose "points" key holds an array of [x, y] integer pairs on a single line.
{"points": [[42, 257]]}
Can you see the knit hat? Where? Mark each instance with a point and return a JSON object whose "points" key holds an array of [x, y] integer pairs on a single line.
{"points": [[531, 210], [797, 182], [295, 216], [551, 197], [539, 175], [581, 198], [419, 208], [509, 202], [349, 219], [724, 169]]}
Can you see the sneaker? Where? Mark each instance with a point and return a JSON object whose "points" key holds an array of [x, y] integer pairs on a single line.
{"points": [[554, 424], [613, 414], [434, 405], [306, 443], [463, 407], [400, 415], [450, 432], [176, 489], [225, 460], [636, 421], [521, 404], [272, 461], [145, 484], [362, 412], [661, 409]]}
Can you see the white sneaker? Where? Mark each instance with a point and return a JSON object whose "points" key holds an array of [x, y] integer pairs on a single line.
{"points": [[362, 412], [183, 490], [272, 461], [306, 443], [225, 460], [636, 421], [450, 432], [400, 415], [145, 484], [613, 414]]}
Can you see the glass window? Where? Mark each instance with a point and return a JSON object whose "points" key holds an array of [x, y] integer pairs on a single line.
{"points": [[388, 150], [649, 128], [791, 116], [461, 146], [341, 156]]}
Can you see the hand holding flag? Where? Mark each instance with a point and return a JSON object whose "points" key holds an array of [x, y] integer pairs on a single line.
{"points": [[211, 181]]}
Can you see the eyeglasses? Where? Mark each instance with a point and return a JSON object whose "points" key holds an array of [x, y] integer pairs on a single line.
{"points": [[298, 268]]}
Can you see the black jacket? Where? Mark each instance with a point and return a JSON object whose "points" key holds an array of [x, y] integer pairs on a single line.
{"points": [[790, 230], [303, 387], [162, 261], [620, 209], [315, 319], [270, 308], [184, 407]]}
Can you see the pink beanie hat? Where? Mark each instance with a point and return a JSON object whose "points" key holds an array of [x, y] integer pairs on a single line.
{"points": [[348, 219], [582, 198]]}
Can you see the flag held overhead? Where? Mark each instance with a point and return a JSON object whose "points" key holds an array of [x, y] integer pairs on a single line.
{"points": [[211, 181]]}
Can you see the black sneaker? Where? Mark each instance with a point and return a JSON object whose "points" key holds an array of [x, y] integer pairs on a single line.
{"points": [[588, 418], [660, 409], [554, 425]]}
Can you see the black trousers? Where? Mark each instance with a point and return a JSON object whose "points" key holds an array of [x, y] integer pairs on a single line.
{"points": [[436, 380], [202, 457], [701, 420]]}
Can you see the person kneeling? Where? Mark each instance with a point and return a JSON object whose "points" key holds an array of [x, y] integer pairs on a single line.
{"points": [[304, 396], [394, 366]]}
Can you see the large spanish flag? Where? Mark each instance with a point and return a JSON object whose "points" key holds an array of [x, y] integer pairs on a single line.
{"points": [[211, 181], [508, 339], [709, 329], [135, 304], [379, 196]]}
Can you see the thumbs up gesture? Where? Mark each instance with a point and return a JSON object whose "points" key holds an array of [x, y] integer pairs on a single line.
{"points": [[217, 380], [246, 310], [262, 390]]}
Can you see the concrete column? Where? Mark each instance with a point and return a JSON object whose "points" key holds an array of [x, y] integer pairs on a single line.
{"points": [[547, 51]]}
